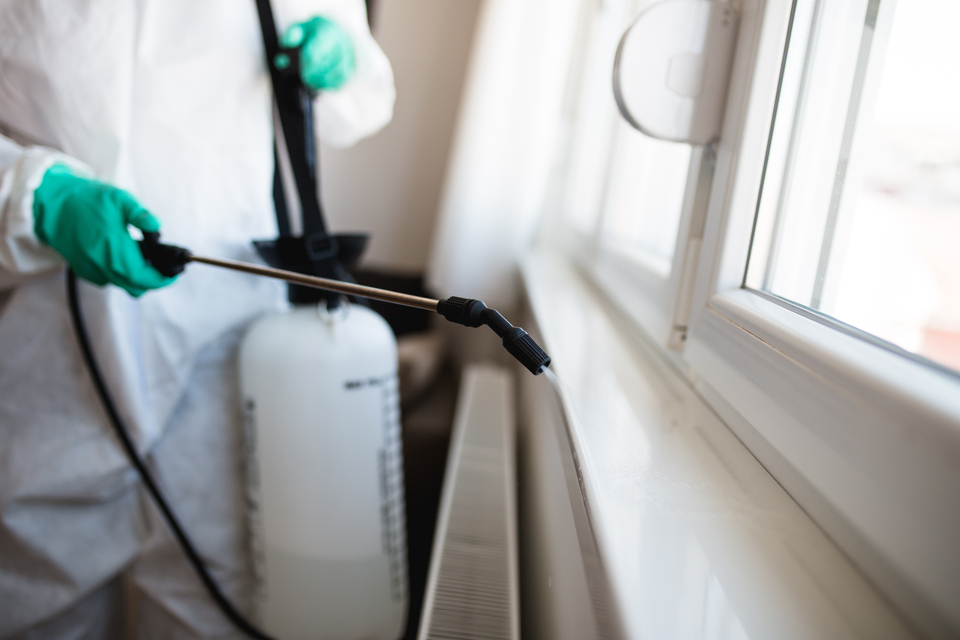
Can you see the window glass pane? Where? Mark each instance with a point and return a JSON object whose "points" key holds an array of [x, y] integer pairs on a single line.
{"points": [[596, 116], [648, 178], [859, 215]]}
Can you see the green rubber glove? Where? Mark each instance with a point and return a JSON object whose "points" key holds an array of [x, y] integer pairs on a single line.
{"points": [[326, 53], [85, 221]]}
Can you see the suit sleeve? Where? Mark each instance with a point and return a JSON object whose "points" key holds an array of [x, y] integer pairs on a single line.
{"points": [[21, 172]]}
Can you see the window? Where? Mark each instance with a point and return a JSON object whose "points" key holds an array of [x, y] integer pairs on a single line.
{"points": [[594, 116], [861, 192], [626, 197], [644, 197], [802, 272]]}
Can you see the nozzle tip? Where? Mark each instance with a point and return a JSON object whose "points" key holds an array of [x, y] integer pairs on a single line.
{"points": [[474, 313], [522, 347]]}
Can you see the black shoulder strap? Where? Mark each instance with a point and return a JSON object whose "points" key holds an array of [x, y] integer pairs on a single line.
{"points": [[316, 252], [295, 107]]}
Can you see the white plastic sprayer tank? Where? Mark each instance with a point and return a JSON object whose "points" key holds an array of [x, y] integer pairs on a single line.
{"points": [[325, 474]]}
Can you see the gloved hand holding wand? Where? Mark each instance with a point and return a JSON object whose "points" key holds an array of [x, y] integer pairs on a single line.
{"points": [[86, 221]]}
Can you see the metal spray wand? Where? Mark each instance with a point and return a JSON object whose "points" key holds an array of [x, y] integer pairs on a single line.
{"points": [[171, 260]]}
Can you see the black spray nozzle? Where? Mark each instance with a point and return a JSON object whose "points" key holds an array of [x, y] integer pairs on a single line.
{"points": [[474, 313], [168, 259]]}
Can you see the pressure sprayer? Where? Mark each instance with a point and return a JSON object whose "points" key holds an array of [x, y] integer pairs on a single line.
{"points": [[324, 466], [324, 462], [322, 422], [321, 411]]}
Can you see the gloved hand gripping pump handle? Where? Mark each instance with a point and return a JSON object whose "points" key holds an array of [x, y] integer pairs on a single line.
{"points": [[170, 260]]}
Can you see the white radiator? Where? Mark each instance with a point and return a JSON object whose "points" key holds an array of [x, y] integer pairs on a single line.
{"points": [[472, 590]]}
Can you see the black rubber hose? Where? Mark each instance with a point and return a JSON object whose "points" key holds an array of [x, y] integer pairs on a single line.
{"points": [[124, 436]]}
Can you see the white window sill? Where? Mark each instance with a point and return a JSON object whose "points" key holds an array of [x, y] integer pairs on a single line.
{"points": [[865, 439], [695, 538]]}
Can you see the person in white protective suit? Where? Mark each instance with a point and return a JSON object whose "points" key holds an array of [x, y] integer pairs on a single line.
{"points": [[169, 100]]}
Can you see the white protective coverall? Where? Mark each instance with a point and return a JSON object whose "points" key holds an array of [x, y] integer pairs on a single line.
{"points": [[171, 100]]}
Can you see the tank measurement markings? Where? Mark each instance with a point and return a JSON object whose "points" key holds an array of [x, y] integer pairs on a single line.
{"points": [[392, 502], [369, 382], [252, 494]]}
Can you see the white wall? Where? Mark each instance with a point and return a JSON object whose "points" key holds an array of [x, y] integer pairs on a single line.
{"points": [[503, 149], [389, 185]]}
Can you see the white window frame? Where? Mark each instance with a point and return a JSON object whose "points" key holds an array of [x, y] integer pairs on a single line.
{"points": [[639, 287], [643, 290], [865, 439]]}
